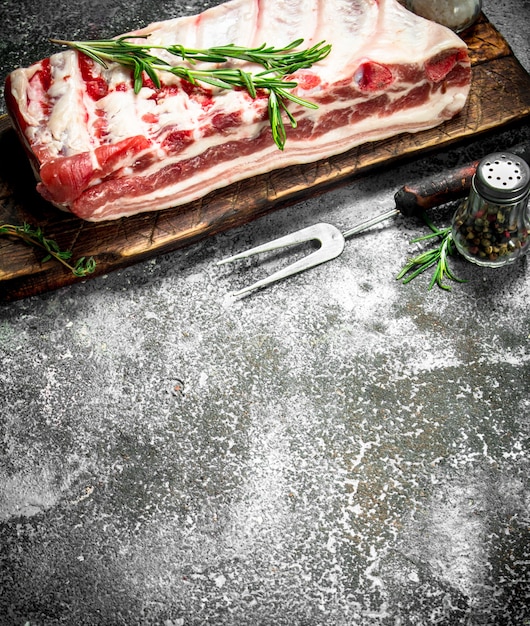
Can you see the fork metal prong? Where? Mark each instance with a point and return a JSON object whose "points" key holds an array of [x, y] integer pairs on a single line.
{"points": [[311, 260], [331, 245], [304, 235]]}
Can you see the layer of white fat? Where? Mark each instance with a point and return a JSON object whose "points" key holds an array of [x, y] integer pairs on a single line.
{"points": [[66, 131], [219, 25], [283, 21], [233, 22], [29, 97], [403, 37], [349, 26], [123, 111], [174, 29]]}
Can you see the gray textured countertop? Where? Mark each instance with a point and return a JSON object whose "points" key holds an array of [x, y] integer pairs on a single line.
{"points": [[339, 449]]}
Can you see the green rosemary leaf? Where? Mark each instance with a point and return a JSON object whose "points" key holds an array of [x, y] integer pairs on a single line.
{"points": [[95, 57], [287, 95], [432, 235], [137, 77], [246, 78], [290, 116], [436, 258], [275, 118]]}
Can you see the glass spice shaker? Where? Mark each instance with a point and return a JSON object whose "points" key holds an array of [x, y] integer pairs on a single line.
{"points": [[455, 14], [491, 226]]}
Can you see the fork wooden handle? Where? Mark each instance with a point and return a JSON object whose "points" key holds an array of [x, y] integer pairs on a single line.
{"points": [[414, 199], [445, 187]]}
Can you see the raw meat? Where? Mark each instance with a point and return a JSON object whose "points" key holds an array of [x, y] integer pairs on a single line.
{"points": [[102, 152]]}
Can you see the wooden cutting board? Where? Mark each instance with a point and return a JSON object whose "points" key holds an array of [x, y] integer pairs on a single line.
{"points": [[500, 95]]}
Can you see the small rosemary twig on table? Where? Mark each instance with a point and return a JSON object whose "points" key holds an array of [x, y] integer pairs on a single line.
{"points": [[36, 238], [437, 258]]}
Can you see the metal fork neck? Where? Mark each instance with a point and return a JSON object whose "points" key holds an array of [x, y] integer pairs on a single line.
{"points": [[369, 223]]}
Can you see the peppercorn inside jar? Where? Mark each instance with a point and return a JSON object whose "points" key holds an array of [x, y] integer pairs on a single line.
{"points": [[491, 226]]}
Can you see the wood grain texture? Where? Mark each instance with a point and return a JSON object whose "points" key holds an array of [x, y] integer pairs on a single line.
{"points": [[500, 95]]}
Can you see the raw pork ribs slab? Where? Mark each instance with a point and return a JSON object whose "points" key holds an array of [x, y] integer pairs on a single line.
{"points": [[102, 152]]}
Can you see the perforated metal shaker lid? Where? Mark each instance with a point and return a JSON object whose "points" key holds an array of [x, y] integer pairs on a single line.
{"points": [[502, 178]]}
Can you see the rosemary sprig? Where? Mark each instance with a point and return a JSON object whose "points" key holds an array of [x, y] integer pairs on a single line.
{"points": [[277, 63], [36, 238], [437, 258]]}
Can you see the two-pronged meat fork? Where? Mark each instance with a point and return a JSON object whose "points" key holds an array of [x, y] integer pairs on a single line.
{"points": [[329, 237]]}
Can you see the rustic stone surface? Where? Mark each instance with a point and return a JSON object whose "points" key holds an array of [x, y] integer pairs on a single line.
{"points": [[339, 449]]}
